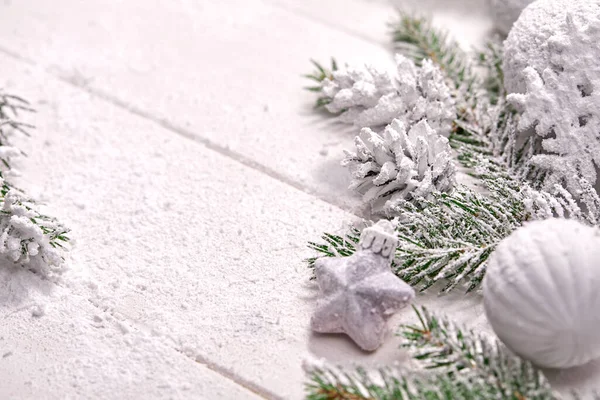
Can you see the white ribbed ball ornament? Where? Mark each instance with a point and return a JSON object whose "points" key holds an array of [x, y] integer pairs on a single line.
{"points": [[542, 293]]}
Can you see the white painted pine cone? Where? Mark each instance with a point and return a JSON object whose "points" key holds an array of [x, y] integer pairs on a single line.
{"points": [[542, 292]]}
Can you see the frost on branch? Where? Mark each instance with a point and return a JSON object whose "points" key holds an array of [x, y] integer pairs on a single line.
{"points": [[400, 165], [368, 97], [27, 237]]}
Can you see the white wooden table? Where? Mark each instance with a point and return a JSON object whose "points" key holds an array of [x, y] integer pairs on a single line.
{"points": [[173, 137]]}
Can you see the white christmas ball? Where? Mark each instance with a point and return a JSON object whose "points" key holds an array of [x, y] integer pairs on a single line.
{"points": [[506, 12], [542, 292], [552, 34]]}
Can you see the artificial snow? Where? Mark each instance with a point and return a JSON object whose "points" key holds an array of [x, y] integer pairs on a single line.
{"points": [[190, 206]]}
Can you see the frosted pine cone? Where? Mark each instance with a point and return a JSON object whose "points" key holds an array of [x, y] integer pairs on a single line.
{"points": [[368, 97], [354, 90], [400, 165]]}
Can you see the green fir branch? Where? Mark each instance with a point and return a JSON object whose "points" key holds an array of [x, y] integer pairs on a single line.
{"points": [[330, 384], [441, 345], [319, 75], [11, 107], [490, 59], [39, 237], [447, 238], [456, 363], [417, 39]]}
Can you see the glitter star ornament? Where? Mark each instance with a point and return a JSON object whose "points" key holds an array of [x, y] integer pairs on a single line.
{"points": [[360, 293]]}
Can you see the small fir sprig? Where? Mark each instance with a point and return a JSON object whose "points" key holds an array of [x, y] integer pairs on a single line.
{"points": [[319, 76], [11, 107], [442, 345], [27, 237], [415, 37], [490, 59], [336, 384], [461, 364]]}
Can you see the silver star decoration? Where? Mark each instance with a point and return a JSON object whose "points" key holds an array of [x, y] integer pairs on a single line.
{"points": [[360, 293]]}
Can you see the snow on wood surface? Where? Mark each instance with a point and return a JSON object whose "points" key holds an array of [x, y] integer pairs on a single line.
{"points": [[173, 137]]}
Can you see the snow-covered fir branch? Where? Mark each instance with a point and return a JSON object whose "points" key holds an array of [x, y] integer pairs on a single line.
{"points": [[339, 384], [449, 236], [455, 363], [416, 38], [442, 345], [27, 237], [490, 59], [11, 107]]}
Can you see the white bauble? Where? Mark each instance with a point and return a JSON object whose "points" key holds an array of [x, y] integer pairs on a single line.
{"points": [[506, 12], [543, 37], [542, 292]]}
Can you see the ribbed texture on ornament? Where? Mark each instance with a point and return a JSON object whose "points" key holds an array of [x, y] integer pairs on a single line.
{"points": [[542, 293]]}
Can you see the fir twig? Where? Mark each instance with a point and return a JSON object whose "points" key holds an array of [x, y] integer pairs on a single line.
{"points": [[330, 384], [450, 349], [319, 75], [415, 37], [461, 365], [27, 237], [490, 58]]}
